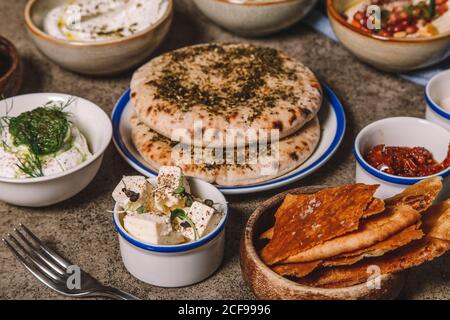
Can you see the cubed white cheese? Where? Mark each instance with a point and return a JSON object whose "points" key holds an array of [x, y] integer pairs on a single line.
{"points": [[152, 228], [204, 218], [168, 181], [134, 193]]}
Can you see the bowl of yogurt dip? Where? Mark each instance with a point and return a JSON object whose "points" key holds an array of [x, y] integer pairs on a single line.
{"points": [[437, 96], [170, 223], [98, 37], [51, 147]]}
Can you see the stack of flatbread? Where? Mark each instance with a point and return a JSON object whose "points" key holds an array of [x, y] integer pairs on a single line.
{"points": [[217, 100], [333, 237]]}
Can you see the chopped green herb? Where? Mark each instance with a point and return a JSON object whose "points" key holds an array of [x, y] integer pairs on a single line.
{"points": [[180, 214]]}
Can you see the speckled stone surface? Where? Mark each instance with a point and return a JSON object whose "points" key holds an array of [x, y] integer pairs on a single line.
{"points": [[81, 228]]}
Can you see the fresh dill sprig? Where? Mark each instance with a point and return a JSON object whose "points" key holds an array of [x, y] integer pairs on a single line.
{"points": [[31, 165]]}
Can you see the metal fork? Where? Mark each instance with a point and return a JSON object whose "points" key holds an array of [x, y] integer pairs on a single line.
{"points": [[53, 270]]}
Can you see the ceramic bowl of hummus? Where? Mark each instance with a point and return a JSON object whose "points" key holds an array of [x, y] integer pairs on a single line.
{"points": [[51, 147], [98, 37], [255, 17], [410, 35]]}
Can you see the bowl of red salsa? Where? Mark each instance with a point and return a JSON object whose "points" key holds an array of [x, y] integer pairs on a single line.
{"points": [[401, 151]]}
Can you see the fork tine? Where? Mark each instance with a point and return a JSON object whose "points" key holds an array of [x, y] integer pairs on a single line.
{"points": [[41, 277], [41, 266], [63, 262], [44, 257]]}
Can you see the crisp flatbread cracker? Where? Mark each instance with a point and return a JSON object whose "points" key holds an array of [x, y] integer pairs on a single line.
{"points": [[225, 86], [158, 151], [404, 258], [436, 221], [370, 232], [420, 196], [375, 207], [296, 269], [394, 242], [305, 221]]}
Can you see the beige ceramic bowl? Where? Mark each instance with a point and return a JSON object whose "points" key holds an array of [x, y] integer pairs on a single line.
{"points": [[99, 58], [383, 52], [255, 18], [266, 284], [11, 69]]}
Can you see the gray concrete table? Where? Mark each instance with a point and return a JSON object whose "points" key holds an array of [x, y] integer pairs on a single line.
{"points": [[81, 228]]}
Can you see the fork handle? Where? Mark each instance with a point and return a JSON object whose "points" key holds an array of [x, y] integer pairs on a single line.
{"points": [[113, 293]]}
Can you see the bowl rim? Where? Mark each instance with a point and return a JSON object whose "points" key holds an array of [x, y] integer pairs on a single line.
{"points": [[255, 4], [389, 177], [95, 156], [430, 102], [13, 54], [336, 16], [32, 28], [177, 248], [274, 201]]}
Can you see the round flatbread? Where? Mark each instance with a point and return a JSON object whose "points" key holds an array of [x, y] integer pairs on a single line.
{"points": [[196, 94], [259, 165]]}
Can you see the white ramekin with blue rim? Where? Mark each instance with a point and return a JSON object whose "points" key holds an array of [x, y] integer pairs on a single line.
{"points": [[175, 265], [401, 132], [438, 89]]}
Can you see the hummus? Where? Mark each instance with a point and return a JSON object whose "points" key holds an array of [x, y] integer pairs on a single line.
{"points": [[99, 20]]}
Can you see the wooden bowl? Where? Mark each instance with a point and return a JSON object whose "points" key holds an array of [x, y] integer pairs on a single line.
{"points": [[268, 285], [11, 70]]}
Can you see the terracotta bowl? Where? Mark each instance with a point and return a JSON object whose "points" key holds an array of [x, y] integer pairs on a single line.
{"points": [[11, 69], [387, 53], [267, 285], [100, 58]]}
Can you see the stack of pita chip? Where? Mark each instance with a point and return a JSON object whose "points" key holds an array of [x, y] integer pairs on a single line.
{"points": [[331, 238]]}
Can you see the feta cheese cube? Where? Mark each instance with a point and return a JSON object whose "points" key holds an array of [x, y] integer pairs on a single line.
{"points": [[170, 180], [152, 228], [134, 193], [204, 218]]}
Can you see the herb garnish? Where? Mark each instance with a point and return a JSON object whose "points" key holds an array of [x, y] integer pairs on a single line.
{"points": [[246, 68], [180, 214], [43, 130], [180, 190]]}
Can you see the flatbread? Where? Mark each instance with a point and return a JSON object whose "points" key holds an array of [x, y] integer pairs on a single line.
{"points": [[296, 269], [404, 258], [375, 207], [436, 221], [435, 243], [394, 242], [305, 221], [370, 232], [293, 151], [420, 196], [225, 86]]}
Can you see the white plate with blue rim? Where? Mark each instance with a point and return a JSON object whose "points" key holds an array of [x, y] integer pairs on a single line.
{"points": [[332, 122]]}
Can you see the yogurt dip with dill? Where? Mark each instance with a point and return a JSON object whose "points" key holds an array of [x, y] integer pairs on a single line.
{"points": [[99, 20], [41, 142]]}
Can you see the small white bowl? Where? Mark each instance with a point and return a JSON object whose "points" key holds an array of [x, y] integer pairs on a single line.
{"points": [[92, 121], [98, 58], [257, 18], [401, 131], [438, 89], [175, 265]]}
